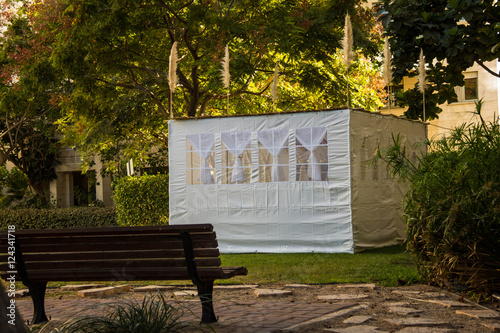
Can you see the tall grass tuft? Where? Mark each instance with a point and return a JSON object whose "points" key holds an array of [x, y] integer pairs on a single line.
{"points": [[388, 69], [422, 78], [153, 315], [226, 76], [453, 207], [348, 54], [274, 87], [172, 74]]}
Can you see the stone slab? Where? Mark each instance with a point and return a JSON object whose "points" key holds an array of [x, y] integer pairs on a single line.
{"points": [[406, 292], [21, 293], [271, 292], [358, 285], [298, 286], [401, 310], [494, 327], [342, 297], [404, 304], [479, 313], [343, 310], [77, 287], [421, 321], [450, 303], [354, 329], [357, 319], [153, 288], [183, 293], [426, 330], [237, 286], [105, 291], [433, 294]]}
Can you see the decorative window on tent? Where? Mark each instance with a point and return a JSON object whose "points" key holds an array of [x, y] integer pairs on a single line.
{"points": [[236, 157], [200, 159], [312, 154], [273, 155]]}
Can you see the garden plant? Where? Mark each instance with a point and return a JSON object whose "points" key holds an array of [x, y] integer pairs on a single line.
{"points": [[452, 208]]}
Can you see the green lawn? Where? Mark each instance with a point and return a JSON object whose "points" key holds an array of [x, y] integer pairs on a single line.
{"points": [[388, 267]]}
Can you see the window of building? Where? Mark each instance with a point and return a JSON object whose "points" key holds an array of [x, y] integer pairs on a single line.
{"points": [[200, 158], [469, 91], [236, 157], [312, 154], [273, 155]]}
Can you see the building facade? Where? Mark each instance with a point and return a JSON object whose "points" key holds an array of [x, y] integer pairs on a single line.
{"points": [[479, 85]]}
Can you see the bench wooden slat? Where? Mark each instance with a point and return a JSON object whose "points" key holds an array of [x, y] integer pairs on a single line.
{"points": [[175, 253], [132, 274], [111, 230], [92, 247], [97, 239], [114, 264]]}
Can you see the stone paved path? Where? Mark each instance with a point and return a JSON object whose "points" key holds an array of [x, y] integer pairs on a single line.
{"points": [[400, 311]]}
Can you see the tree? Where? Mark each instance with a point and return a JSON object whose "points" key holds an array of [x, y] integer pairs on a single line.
{"points": [[29, 88], [452, 34], [117, 54]]}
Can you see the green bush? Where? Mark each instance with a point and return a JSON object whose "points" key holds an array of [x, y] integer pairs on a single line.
{"points": [[74, 217], [15, 186], [453, 207], [155, 314], [142, 200]]}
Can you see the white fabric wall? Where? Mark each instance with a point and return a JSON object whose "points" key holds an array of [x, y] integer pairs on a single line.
{"points": [[279, 216]]}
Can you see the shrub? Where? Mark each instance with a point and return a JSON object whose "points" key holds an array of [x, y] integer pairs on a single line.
{"points": [[153, 315], [453, 207], [142, 200], [15, 185], [74, 217]]}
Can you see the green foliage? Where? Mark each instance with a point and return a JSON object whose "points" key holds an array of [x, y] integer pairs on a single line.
{"points": [[116, 54], [14, 184], [154, 315], [75, 217], [453, 207], [30, 88], [142, 200], [452, 34]]}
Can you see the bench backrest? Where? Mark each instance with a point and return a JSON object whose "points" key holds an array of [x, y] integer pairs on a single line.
{"points": [[112, 254]]}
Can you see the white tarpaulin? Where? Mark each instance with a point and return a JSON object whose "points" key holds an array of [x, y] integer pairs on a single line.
{"points": [[274, 183], [293, 182]]}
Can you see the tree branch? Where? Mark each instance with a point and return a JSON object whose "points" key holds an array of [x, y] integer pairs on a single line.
{"points": [[480, 63]]}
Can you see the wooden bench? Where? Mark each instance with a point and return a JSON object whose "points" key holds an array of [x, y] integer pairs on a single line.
{"points": [[180, 252]]}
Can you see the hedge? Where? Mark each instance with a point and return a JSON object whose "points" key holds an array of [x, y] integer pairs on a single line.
{"points": [[74, 217], [142, 200]]}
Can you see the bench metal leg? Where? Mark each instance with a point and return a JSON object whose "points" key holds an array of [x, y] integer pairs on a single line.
{"points": [[37, 292], [205, 292]]}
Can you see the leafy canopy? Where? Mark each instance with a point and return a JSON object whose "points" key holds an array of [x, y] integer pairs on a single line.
{"points": [[116, 52], [453, 35], [30, 88]]}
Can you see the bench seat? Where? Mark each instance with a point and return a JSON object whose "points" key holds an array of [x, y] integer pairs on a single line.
{"points": [[180, 252]]}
